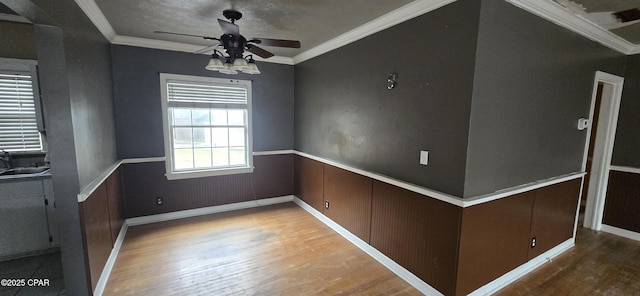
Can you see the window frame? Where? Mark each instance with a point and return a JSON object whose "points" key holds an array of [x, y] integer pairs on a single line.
{"points": [[171, 173], [13, 66]]}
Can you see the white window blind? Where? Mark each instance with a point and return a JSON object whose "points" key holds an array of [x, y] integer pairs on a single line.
{"points": [[18, 126], [181, 92]]}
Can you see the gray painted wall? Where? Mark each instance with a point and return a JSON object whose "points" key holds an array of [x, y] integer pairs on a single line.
{"points": [[88, 59], [17, 41], [57, 106], [75, 73], [344, 112], [533, 80], [627, 143], [91, 90], [139, 113]]}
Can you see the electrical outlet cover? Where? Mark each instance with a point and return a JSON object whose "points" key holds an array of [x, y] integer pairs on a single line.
{"points": [[424, 157]]}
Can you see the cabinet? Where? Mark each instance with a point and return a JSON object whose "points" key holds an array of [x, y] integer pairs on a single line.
{"points": [[27, 217]]}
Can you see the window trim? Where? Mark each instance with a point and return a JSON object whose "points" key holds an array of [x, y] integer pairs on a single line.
{"points": [[207, 172]]}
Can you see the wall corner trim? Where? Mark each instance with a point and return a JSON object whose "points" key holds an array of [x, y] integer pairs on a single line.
{"points": [[523, 269], [411, 187], [454, 200], [624, 169], [371, 251], [621, 232], [143, 160], [522, 188], [274, 152], [93, 185]]}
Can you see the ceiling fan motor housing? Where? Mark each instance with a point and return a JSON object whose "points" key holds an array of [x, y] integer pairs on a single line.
{"points": [[233, 45]]}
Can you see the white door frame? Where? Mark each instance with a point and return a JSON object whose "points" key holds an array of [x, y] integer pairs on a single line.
{"points": [[603, 146]]}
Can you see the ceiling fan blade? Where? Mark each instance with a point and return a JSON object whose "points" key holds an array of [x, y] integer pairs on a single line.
{"points": [[229, 28], [182, 34], [206, 49], [258, 51], [276, 42]]}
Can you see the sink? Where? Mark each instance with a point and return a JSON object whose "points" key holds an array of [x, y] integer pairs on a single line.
{"points": [[24, 171]]}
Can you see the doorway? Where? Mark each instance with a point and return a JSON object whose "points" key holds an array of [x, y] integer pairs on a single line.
{"points": [[605, 105]]}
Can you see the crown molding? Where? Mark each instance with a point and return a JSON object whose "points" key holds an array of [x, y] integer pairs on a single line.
{"points": [[91, 9], [402, 14], [96, 16], [546, 9], [557, 14]]}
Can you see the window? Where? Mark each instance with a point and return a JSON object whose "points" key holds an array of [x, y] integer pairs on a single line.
{"points": [[207, 126], [18, 115]]}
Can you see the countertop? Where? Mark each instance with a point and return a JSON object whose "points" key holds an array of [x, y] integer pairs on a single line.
{"points": [[20, 177]]}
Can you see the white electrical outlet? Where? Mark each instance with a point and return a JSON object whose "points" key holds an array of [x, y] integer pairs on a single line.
{"points": [[424, 157]]}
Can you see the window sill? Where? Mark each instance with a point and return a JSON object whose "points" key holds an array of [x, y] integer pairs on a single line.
{"points": [[207, 173]]}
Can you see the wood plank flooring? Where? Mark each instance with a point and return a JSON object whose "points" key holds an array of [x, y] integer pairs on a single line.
{"points": [[599, 264], [274, 250]]}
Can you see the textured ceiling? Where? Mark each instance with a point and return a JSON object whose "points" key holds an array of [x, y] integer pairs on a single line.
{"points": [[312, 22], [630, 32]]}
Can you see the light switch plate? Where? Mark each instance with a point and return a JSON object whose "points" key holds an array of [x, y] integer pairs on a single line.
{"points": [[424, 157]]}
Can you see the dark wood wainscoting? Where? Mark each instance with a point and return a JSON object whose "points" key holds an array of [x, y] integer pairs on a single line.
{"points": [[496, 236], [144, 183], [494, 239], [453, 249], [116, 203], [273, 175], [349, 197], [554, 214], [417, 232], [622, 204], [101, 216], [308, 181]]}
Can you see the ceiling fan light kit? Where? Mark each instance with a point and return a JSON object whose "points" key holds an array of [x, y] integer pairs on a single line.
{"points": [[233, 60], [224, 64]]}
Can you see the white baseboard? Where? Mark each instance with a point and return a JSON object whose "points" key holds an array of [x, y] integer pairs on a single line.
{"points": [[106, 271], [419, 284], [386, 261], [207, 210], [621, 232], [523, 269]]}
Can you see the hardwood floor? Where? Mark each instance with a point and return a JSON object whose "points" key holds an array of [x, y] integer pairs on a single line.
{"points": [[274, 250], [599, 264]]}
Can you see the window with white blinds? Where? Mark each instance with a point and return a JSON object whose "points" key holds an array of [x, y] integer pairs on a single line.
{"points": [[207, 124], [18, 124]]}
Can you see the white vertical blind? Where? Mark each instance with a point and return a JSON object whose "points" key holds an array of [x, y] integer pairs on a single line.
{"points": [[18, 126]]}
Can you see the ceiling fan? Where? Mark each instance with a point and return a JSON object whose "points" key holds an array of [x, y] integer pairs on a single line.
{"points": [[234, 45]]}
